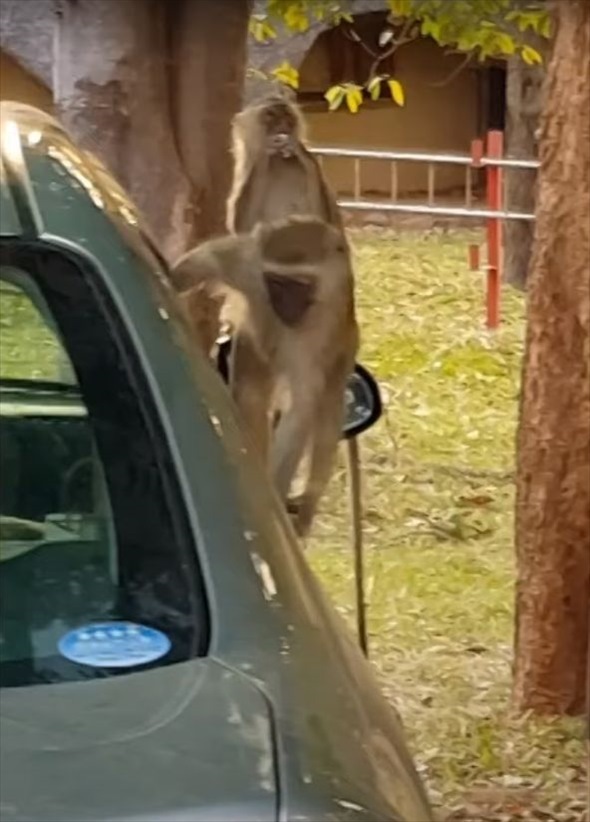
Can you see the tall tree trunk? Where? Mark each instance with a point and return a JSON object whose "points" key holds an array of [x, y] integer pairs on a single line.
{"points": [[523, 108], [209, 50], [553, 485], [150, 86]]}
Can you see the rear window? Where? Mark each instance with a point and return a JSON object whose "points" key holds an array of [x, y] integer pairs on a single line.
{"points": [[98, 569]]}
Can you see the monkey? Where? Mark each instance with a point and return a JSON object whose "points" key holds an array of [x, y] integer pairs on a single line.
{"points": [[290, 300], [275, 175]]}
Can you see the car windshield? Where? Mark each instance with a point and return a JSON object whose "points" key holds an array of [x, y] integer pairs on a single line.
{"points": [[98, 569]]}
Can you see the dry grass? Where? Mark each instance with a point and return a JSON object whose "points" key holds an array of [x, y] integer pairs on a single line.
{"points": [[438, 530]]}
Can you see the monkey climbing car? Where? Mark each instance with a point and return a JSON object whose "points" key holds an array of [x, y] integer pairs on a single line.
{"points": [[165, 651]]}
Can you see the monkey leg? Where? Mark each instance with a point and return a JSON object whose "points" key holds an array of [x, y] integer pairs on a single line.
{"points": [[252, 387], [327, 429], [290, 439]]}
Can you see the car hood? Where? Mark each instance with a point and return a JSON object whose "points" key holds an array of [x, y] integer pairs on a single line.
{"points": [[192, 741]]}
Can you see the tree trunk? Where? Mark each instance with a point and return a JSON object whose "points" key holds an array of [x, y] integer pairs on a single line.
{"points": [[123, 73], [553, 484], [523, 108], [209, 47]]}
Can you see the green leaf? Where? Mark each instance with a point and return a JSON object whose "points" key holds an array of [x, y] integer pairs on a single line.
{"points": [[335, 96], [397, 92], [401, 8], [505, 43], [374, 87], [432, 28]]}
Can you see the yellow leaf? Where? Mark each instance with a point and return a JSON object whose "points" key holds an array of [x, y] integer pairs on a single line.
{"points": [[261, 29], [531, 55], [296, 19], [352, 103], [354, 98], [397, 92], [287, 74]]}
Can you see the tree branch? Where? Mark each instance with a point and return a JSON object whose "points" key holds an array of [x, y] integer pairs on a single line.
{"points": [[455, 72], [400, 40]]}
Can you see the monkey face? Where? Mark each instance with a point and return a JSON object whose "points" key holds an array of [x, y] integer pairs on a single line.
{"points": [[280, 126]]}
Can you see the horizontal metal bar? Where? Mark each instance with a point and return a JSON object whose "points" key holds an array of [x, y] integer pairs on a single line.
{"points": [[375, 154], [509, 162], [441, 211], [421, 157]]}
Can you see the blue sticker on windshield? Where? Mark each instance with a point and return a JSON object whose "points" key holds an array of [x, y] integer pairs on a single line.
{"points": [[114, 645]]}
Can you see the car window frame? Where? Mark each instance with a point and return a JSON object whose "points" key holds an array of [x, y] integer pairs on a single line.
{"points": [[36, 262]]}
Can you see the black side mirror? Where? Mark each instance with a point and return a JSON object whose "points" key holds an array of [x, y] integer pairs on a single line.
{"points": [[362, 399]]}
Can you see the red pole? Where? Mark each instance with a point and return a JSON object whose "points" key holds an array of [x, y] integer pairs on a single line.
{"points": [[495, 150]]}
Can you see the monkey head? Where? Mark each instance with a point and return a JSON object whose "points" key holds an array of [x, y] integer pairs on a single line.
{"points": [[272, 126], [280, 125]]}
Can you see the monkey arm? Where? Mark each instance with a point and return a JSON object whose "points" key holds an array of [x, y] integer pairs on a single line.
{"points": [[321, 199], [247, 199]]}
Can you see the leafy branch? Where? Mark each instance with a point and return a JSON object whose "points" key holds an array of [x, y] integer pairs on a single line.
{"points": [[478, 29]]}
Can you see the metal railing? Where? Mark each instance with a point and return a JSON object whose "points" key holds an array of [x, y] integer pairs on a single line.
{"points": [[394, 158], [495, 214]]}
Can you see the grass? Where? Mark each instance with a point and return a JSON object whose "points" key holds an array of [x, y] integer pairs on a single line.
{"points": [[439, 498], [438, 525]]}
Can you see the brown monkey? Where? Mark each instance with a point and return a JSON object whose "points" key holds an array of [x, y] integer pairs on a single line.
{"points": [[291, 304], [275, 175]]}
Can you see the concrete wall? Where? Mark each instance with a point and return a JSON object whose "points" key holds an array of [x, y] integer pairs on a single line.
{"points": [[18, 84], [433, 118]]}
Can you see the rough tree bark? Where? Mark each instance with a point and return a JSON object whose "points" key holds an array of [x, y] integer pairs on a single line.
{"points": [[523, 108], [553, 482], [150, 86]]}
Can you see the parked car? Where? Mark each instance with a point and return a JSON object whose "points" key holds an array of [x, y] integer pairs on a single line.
{"points": [[165, 651]]}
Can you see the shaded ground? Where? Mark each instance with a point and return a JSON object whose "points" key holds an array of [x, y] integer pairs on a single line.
{"points": [[439, 515]]}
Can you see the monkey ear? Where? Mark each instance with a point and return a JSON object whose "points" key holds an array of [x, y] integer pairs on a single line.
{"points": [[290, 297]]}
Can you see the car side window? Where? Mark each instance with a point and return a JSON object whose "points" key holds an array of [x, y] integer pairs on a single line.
{"points": [[98, 570]]}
